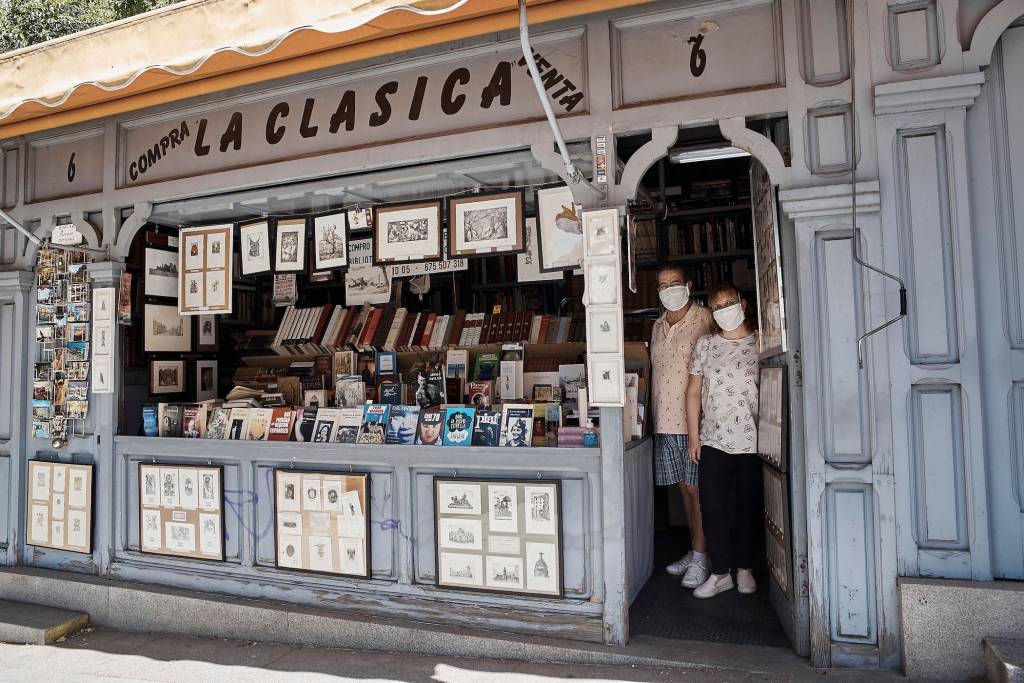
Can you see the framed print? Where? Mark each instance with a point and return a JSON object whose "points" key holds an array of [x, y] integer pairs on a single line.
{"points": [[205, 259], [206, 333], [601, 233], [330, 241], [510, 543], [560, 229], [181, 511], [603, 282], [606, 381], [166, 330], [254, 247], [771, 419], [166, 376], [102, 380], [360, 219], [291, 245], [206, 380], [59, 513], [407, 232], [604, 329], [485, 224], [322, 522], [103, 304], [161, 273], [528, 262]]}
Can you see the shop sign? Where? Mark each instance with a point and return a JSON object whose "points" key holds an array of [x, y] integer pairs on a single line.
{"points": [[474, 88], [427, 268]]}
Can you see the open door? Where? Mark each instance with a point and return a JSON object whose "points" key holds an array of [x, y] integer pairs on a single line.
{"points": [[788, 590]]}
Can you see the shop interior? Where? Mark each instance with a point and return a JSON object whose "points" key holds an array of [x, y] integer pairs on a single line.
{"points": [[697, 214]]}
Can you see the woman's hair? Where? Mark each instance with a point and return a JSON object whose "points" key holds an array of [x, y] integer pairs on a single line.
{"points": [[729, 289]]}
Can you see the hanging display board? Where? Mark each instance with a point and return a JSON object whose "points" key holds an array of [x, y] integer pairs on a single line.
{"points": [[59, 511], [205, 262], [322, 521], [181, 511], [499, 535], [771, 419], [770, 302]]}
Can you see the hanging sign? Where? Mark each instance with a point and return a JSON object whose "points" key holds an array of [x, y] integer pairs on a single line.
{"points": [[67, 235]]}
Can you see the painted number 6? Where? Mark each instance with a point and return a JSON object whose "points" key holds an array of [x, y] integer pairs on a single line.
{"points": [[698, 58], [71, 168]]}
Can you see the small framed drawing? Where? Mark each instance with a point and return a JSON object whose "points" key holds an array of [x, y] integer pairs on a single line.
{"points": [[291, 245], [484, 224], [102, 370], [407, 232], [166, 330], [206, 380], [330, 241], [205, 262], [102, 304], [601, 233], [606, 381], [206, 333], [560, 228], [360, 219], [604, 329], [603, 282], [166, 376], [254, 247], [161, 273]]}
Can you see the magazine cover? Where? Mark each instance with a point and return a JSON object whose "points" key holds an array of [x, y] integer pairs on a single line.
{"points": [[516, 425], [486, 428], [349, 421], [326, 423], [430, 426], [458, 426], [402, 423], [375, 418], [280, 425], [217, 427], [481, 394]]}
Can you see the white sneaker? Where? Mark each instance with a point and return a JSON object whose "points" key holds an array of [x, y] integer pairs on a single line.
{"points": [[745, 582], [696, 574], [714, 585], [678, 567]]}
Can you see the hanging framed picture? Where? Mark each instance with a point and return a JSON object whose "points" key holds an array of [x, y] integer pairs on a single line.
{"points": [[181, 511], [601, 233], [560, 228], [603, 279], [407, 232], [291, 245], [606, 379], [206, 380], [166, 376], [161, 273], [206, 333], [486, 224], [330, 241], [528, 262], [254, 247], [499, 535], [166, 329], [205, 262], [604, 329], [322, 522], [59, 513]]}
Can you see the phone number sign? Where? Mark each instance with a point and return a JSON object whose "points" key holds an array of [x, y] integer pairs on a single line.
{"points": [[427, 268]]}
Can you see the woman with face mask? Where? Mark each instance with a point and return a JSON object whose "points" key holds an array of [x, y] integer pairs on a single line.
{"points": [[721, 406]]}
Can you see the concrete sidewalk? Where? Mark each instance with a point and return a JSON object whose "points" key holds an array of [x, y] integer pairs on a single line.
{"points": [[102, 655]]}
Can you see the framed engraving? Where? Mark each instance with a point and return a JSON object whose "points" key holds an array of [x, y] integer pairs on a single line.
{"points": [[166, 376], [486, 224], [330, 241], [254, 247], [771, 419], [166, 330], [601, 233], [604, 329], [205, 261], [181, 511], [407, 232], [603, 282], [206, 333], [59, 506], [161, 273], [206, 380], [606, 380], [291, 245]]}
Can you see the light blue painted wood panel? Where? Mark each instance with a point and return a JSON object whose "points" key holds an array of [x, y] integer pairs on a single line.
{"points": [[839, 294], [5, 516], [926, 246], [7, 365], [851, 572], [940, 496], [1011, 70]]}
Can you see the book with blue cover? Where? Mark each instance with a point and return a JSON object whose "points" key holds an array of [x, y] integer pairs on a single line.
{"points": [[486, 428], [458, 426], [149, 421], [375, 420], [402, 422]]}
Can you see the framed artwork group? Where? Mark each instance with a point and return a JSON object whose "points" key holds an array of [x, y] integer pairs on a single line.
{"points": [[181, 511], [59, 511], [205, 266], [602, 277]]}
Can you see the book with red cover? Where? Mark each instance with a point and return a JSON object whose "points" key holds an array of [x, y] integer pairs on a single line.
{"points": [[455, 330], [542, 335], [357, 326], [383, 327], [424, 341], [403, 331], [404, 339], [369, 329], [485, 329], [351, 313], [480, 394], [281, 424]]}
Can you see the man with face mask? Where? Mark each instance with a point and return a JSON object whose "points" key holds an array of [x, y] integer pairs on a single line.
{"points": [[672, 340]]}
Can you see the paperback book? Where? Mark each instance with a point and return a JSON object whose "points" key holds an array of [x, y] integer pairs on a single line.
{"points": [[481, 394], [486, 428], [259, 424], [430, 388], [458, 426], [238, 423], [280, 425], [326, 421], [349, 421], [305, 425], [516, 425], [170, 419], [218, 424], [375, 418], [149, 421], [430, 427], [402, 423]]}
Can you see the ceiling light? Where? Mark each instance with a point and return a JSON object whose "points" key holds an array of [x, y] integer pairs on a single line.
{"points": [[693, 155]]}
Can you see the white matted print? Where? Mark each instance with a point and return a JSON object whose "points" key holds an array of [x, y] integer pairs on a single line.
{"points": [[166, 329], [330, 241], [291, 245], [601, 233], [102, 371], [606, 380], [166, 376], [528, 262], [603, 282], [360, 219], [407, 232], [254, 247], [604, 329], [161, 273], [542, 570], [504, 573], [456, 498], [460, 533], [367, 286], [460, 569], [503, 508], [560, 230], [206, 264], [102, 304], [482, 224], [541, 512]]}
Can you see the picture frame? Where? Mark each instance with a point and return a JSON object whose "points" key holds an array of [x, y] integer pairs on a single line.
{"points": [[330, 242], [603, 280], [604, 329], [483, 224], [103, 304], [162, 273], [166, 376], [509, 543], [528, 261], [166, 330], [254, 247], [601, 233], [606, 380], [360, 219], [102, 379], [59, 506], [407, 233], [290, 249], [206, 333], [339, 519], [206, 380], [772, 422], [181, 511], [206, 265], [559, 229]]}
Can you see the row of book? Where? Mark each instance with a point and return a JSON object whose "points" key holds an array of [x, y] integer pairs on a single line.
{"points": [[323, 329], [720, 235], [513, 425]]}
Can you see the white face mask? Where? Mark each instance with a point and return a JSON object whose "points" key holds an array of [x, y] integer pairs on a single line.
{"points": [[674, 298], [730, 317]]}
